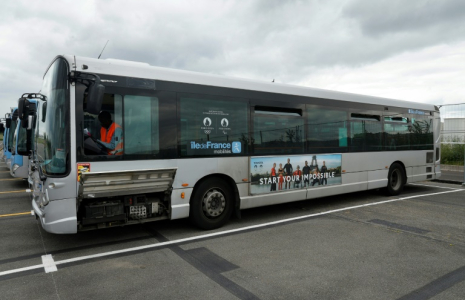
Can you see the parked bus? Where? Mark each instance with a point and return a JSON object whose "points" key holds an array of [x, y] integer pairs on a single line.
{"points": [[121, 143], [6, 153], [11, 120], [20, 150]]}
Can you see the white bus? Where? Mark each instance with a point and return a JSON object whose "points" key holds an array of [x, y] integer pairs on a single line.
{"points": [[185, 144]]}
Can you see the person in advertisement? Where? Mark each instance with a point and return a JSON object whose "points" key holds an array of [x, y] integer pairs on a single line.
{"points": [[324, 181], [273, 178], [316, 176], [288, 172], [280, 177], [306, 174], [298, 177]]}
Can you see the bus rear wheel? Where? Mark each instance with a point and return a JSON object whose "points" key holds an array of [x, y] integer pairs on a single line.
{"points": [[211, 205], [396, 179]]}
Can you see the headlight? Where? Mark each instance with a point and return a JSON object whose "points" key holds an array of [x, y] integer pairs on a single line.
{"points": [[15, 167]]}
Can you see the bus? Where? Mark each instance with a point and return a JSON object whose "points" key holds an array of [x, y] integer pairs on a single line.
{"points": [[11, 121], [200, 146], [7, 123], [20, 150]]}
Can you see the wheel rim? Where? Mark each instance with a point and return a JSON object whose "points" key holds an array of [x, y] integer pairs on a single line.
{"points": [[213, 203], [396, 179]]}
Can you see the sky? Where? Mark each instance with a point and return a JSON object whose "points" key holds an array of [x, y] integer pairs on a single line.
{"points": [[409, 50]]}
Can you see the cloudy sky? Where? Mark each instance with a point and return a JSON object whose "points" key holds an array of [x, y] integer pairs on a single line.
{"points": [[410, 50]]}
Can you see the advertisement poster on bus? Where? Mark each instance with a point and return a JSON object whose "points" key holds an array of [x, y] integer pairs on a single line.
{"points": [[283, 173]]}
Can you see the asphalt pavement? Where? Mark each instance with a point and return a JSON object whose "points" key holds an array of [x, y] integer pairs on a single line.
{"points": [[362, 245], [456, 177]]}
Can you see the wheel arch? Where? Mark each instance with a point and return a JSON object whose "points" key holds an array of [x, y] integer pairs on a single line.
{"points": [[227, 179], [403, 169]]}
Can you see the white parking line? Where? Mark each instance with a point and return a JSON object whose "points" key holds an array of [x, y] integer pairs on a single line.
{"points": [[49, 263], [226, 232]]}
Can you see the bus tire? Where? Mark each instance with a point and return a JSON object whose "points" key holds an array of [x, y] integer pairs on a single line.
{"points": [[211, 204], [396, 179]]}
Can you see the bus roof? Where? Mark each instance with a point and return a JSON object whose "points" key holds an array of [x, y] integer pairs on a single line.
{"points": [[143, 70]]}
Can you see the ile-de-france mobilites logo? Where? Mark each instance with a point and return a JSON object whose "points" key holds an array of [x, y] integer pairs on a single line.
{"points": [[216, 148], [236, 147]]}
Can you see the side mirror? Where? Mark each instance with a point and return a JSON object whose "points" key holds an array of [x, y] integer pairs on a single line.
{"points": [[44, 111], [22, 108], [8, 123], [95, 97], [30, 122]]}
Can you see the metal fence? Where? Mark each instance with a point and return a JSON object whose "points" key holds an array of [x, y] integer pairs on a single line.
{"points": [[452, 137]]}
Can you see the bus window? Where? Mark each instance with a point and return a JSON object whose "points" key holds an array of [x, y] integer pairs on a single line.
{"points": [[421, 133], [365, 132], [105, 129], [212, 126], [396, 133], [141, 125], [278, 131], [327, 130]]}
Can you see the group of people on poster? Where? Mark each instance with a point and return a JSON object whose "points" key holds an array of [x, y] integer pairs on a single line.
{"points": [[309, 175]]}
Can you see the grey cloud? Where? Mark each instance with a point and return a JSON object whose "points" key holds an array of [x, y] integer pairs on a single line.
{"points": [[383, 17], [285, 40]]}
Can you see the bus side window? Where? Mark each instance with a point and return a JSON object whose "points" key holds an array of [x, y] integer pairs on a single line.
{"points": [[396, 133], [111, 112], [212, 125], [365, 132], [421, 133], [327, 130], [141, 125], [278, 131]]}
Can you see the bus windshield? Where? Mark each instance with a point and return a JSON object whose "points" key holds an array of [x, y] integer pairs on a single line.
{"points": [[11, 134], [53, 130]]}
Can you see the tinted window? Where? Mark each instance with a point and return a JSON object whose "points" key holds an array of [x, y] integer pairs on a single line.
{"points": [[277, 132], [396, 133], [212, 126], [11, 135], [22, 138], [327, 130], [421, 133], [107, 141], [365, 136], [141, 125]]}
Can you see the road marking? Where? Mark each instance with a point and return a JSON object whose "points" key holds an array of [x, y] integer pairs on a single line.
{"points": [[18, 214], [11, 179], [20, 191], [49, 263], [440, 187], [220, 233]]}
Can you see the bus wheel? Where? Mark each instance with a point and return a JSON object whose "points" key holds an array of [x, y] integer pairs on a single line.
{"points": [[395, 179], [211, 205]]}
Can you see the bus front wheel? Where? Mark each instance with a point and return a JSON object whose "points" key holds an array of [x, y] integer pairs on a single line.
{"points": [[211, 205], [395, 179]]}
